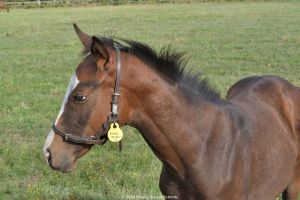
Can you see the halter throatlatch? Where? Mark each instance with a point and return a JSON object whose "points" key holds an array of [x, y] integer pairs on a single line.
{"points": [[99, 137], [116, 93]]}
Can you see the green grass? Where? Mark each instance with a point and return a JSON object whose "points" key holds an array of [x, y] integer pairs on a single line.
{"points": [[39, 51]]}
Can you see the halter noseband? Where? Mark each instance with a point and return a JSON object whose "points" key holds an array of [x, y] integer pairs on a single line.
{"points": [[100, 137]]}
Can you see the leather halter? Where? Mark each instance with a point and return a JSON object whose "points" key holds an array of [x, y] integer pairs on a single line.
{"points": [[100, 137]]}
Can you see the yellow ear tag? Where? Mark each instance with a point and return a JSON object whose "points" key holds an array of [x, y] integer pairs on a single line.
{"points": [[115, 134]]}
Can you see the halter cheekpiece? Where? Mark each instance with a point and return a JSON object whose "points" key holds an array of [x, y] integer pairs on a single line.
{"points": [[101, 136]]}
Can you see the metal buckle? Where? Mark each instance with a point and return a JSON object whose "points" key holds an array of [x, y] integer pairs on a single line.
{"points": [[67, 137], [93, 137]]}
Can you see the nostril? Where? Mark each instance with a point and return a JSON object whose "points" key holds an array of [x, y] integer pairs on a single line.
{"points": [[48, 156]]}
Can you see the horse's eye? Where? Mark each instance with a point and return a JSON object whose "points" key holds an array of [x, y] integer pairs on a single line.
{"points": [[79, 98]]}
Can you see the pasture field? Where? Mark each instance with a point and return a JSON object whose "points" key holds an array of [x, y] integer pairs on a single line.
{"points": [[39, 51]]}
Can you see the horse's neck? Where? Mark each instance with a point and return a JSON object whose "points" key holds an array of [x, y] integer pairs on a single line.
{"points": [[167, 121]]}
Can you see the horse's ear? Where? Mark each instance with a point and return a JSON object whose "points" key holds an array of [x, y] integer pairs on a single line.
{"points": [[85, 39], [99, 50]]}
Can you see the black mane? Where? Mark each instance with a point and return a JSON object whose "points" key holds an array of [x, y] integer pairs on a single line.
{"points": [[166, 62]]}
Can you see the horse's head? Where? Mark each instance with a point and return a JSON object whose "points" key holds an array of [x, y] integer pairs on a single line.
{"points": [[87, 105]]}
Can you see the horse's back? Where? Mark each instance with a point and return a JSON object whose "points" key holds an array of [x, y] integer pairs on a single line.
{"points": [[271, 90], [261, 84]]}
